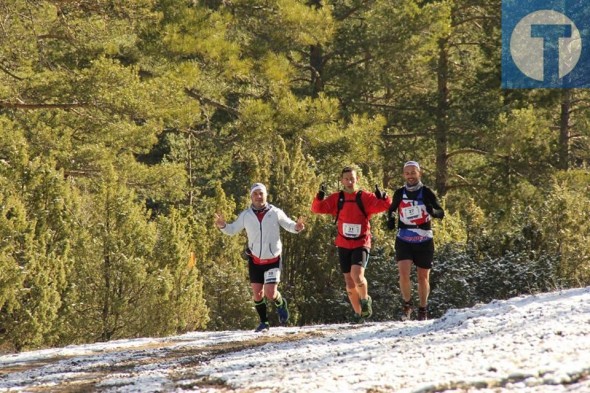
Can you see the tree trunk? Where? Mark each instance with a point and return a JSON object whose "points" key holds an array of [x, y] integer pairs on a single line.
{"points": [[189, 167], [564, 130], [316, 60], [316, 63], [441, 120], [106, 305]]}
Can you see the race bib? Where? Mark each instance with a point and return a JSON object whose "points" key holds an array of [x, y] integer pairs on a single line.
{"points": [[411, 212], [351, 230], [272, 276]]}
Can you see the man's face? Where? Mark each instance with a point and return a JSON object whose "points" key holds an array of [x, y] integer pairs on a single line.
{"points": [[349, 180], [258, 198], [412, 175]]}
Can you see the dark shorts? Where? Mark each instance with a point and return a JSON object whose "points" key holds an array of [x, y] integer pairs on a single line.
{"points": [[256, 272], [356, 256], [421, 254]]}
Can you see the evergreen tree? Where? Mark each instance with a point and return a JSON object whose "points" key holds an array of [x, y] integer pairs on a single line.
{"points": [[221, 264], [179, 305], [125, 126], [114, 271], [41, 251]]}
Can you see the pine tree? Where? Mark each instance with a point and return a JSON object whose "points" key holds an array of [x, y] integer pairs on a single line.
{"points": [[180, 304], [41, 251], [114, 270]]}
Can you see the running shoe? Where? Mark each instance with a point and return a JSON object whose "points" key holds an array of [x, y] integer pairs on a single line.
{"points": [[366, 307], [407, 311], [422, 314], [357, 319], [283, 311], [263, 327]]}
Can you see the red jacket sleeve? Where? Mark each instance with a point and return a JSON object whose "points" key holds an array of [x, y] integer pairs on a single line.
{"points": [[328, 205], [373, 205]]}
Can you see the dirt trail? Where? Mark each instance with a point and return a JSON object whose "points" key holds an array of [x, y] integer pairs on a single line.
{"points": [[177, 357]]}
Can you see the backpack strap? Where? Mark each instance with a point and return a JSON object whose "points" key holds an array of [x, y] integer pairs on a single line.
{"points": [[359, 202], [340, 205]]}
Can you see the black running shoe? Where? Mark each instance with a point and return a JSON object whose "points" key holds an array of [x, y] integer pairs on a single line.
{"points": [[422, 314], [407, 311]]}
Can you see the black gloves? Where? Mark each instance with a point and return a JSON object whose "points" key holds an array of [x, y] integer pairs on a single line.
{"points": [[390, 220], [322, 192], [435, 213], [391, 223], [380, 194]]}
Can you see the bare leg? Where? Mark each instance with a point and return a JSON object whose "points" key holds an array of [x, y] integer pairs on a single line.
{"points": [[405, 286], [353, 295], [358, 276], [423, 285], [257, 292], [270, 291]]}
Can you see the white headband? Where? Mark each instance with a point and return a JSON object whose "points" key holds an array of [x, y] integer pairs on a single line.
{"points": [[256, 187], [412, 163]]}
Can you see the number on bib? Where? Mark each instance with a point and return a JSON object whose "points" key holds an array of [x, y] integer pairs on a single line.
{"points": [[272, 276], [351, 230], [412, 212]]}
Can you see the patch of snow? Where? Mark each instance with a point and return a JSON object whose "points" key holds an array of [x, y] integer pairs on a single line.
{"points": [[537, 343]]}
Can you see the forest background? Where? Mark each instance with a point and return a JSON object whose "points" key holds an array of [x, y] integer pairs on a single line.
{"points": [[125, 125]]}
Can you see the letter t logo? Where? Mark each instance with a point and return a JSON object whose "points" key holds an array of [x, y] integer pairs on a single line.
{"points": [[551, 35]]}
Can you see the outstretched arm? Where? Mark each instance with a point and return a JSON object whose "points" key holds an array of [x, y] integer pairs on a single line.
{"points": [[432, 206], [229, 228], [328, 205], [376, 202], [290, 225]]}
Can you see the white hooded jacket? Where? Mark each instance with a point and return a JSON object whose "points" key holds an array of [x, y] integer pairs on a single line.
{"points": [[264, 238]]}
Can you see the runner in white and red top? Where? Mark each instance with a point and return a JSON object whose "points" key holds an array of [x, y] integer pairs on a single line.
{"points": [[415, 205], [262, 222]]}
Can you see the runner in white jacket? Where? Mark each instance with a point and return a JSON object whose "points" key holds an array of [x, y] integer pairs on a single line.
{"points": [[262, 222]]}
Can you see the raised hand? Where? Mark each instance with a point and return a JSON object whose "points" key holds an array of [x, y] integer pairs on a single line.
{"points": [[220, 221], [380, 194], [300, 224], [322, 192]]}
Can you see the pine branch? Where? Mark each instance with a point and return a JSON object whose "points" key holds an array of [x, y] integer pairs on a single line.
{"points": [[465, 151], [8, 72], [208, 101], [25, 106]]}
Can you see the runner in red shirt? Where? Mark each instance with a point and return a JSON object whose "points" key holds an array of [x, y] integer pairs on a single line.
{"points": [[354, 234]]}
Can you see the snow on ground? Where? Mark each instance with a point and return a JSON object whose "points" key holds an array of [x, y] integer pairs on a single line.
{"points": [[527, 344]]}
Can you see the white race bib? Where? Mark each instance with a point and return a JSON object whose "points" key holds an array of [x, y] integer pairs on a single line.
{"points": [[272, 276], [351, 230], [412, 212]]}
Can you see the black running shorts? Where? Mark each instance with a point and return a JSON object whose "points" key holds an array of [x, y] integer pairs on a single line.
{"points": [[256, 272], [421, 254], [355, 256]]}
